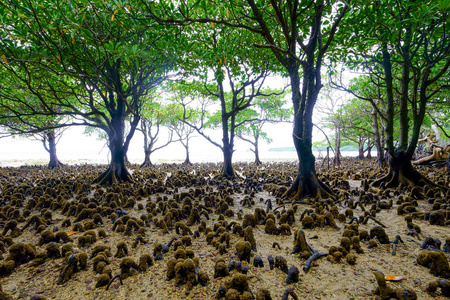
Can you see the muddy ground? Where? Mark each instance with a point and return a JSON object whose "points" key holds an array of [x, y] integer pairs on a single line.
{"points": [[326, 279]]}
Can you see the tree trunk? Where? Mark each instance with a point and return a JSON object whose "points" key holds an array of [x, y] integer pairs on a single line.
{"points": [[227, 170], [369, 150], [389, 129], [404, 92], [378, 139], [257, 160], [337, 146], [361, 149], [306, 183], [117, 171], [402, 171], [187, 161], [256, 151], [126, 159], [400, 167], [147, 161], [54, 161], [227, 135]]}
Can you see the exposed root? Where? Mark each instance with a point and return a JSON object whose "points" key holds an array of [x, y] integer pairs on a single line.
{"points": [[55, 165], [309, 186], [187, 162], [146, 164], [114, 175], [402, 171]]}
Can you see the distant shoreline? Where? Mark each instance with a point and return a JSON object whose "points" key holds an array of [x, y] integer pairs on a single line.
{"points": [[315, 149], [216, 157]]}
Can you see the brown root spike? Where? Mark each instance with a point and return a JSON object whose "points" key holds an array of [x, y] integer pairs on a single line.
{"points": [[113, 279], [287, 292], [300, 243]]}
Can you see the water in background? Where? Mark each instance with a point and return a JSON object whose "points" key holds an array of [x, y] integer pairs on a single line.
{"points": [[30, 154], [76, 148]]}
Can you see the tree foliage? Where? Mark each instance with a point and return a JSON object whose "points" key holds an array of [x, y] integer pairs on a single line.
{"points": [[85, 60]]}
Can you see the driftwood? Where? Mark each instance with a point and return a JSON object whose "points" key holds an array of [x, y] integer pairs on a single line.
{"points": [[375, 220], [439, 154], [287, 292], [353, 219], [315, 255], [114, 278]]}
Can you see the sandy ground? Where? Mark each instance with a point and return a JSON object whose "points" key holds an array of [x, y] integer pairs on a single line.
{"points": [[325, 280]]}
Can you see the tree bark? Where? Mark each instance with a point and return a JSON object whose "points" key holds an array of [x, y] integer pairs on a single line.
{"points": [[360, 149], [147, 161], [257, 160], [256, 151], [378, 139], [369, 152], [337, 145], [309, 56], [404, 91], [306, 183], [187, 161], [117, 171], [389, 129], [54, 161], [228, 141], [227, 170], [126, 159], [400, 167]]}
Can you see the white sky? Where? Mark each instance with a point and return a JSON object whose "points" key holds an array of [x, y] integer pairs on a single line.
{"points": [[75, 147]]}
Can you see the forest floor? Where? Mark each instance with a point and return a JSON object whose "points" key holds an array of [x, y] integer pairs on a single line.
{"points": [[326, 279]]}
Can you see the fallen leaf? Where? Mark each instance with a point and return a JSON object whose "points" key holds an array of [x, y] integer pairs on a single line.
{"points": [[393, 277]]}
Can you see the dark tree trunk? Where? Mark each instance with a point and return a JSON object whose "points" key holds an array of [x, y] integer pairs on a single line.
{"points": [[227, 170], [309, 56], [147, 161], [400, 167], [306, 183], [378, 139], [54, 161], [126, 159], [187, 161], [257, 160], [227, 135], [117, 108], [387, 67], [117, 171]]}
